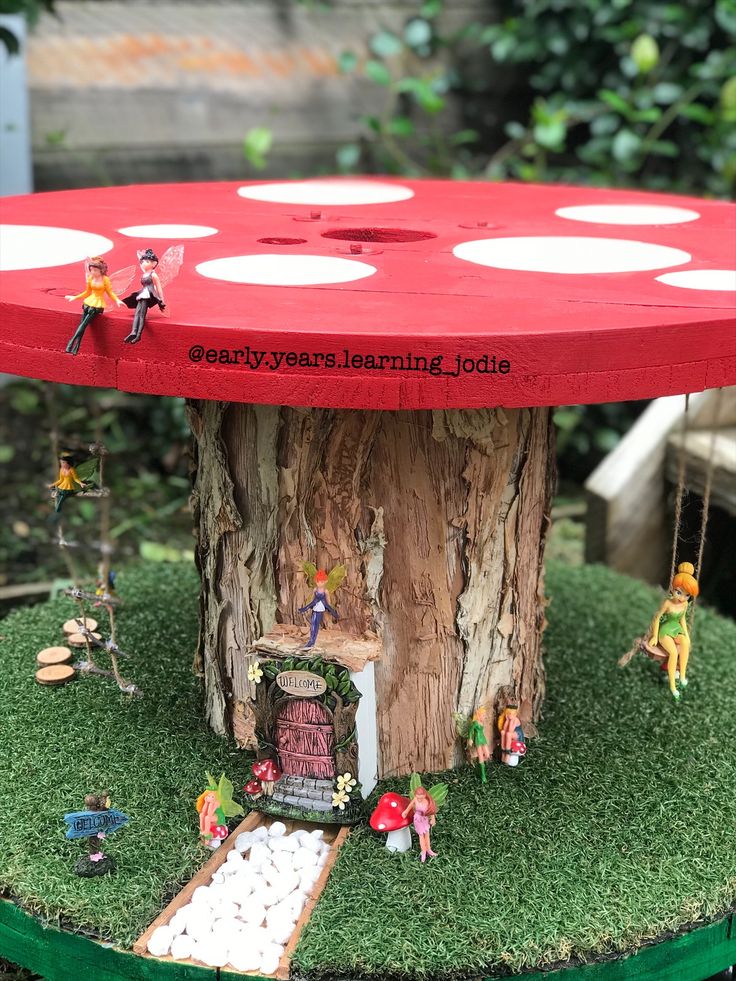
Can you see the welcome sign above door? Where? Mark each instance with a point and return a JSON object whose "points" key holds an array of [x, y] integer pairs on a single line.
{"points": [[303, 684]]}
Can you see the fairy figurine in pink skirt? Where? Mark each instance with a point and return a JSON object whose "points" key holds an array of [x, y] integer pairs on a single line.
{"points": [[423, 805]]}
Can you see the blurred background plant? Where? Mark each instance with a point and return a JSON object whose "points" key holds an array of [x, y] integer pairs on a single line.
{"points": [[629, 93]]}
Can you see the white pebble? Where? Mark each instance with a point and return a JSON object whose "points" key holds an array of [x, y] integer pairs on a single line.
{"points": [[210, 952], [226, 910], [322, 861], [297, 900], [160, 941], [304, 858], [244, 840], [308, 878], [255, 936], [234, 857], [253, 913], [260, 853], [288, 882], [284, 861], [286, 843], [269, 896], [277, 829], [201, 927], [311, 843], [178, 922], [218, 877], [244, 958], [202, 895], [182, 947], [270, 959], [260, 833]]}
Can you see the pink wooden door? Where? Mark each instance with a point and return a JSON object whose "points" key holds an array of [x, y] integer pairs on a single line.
{"points": [[305, 739]]}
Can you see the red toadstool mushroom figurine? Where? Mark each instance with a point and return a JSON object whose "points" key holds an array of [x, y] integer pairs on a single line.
{"points": [[388, 817], [220, 832], [268, 772], [253, 788]]}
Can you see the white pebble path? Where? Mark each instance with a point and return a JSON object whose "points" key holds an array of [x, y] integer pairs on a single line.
{"points": [[246, 915]]}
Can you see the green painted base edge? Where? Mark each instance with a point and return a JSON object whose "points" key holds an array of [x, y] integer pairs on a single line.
{"points": [[691, 956], [61, 956]]}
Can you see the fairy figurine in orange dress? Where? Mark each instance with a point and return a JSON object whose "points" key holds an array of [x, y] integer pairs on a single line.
{"points": [[98, 287], [423, 805]]}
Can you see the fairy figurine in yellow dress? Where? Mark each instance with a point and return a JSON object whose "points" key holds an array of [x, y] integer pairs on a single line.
{"points": [[669, 629], [98, 287]]}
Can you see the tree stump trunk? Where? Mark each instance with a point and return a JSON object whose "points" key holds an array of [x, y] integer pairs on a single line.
{"points": [[440, 518]]}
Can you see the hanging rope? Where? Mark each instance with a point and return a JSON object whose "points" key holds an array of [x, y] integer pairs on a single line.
{"points": [[705, 508], [680, 491]]}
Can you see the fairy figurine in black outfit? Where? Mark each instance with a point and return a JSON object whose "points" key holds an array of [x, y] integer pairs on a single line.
{"points": [[151, 293]]}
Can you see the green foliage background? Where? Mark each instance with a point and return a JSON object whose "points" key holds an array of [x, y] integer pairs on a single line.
{"points": [[604, 92]]}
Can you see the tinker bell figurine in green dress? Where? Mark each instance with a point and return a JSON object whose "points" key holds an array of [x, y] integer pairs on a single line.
{"points": [[669, 638], [476, 742], [669, 626]]}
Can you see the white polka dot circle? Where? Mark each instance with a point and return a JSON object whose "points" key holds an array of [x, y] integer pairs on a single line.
{"points": [[722, 280], [43, 246], [270, 269], [569, 255], [327, 192], [628, 214], [168, 231]]}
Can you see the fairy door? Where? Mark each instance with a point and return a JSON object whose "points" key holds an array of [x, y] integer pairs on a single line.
{"points": [[305, 739]]}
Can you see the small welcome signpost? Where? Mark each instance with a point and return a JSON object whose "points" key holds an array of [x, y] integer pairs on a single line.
{"points": [[95, 823]]}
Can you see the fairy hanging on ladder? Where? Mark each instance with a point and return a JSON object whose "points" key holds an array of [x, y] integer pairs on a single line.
{"points": [[73, 480], [324, 585]]}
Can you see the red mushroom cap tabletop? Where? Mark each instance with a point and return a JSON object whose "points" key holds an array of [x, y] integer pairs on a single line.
{"points": [[387, 815], [381, 292]]}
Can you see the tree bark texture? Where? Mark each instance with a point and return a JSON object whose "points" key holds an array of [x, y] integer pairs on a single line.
{"points": [[440, 518]]}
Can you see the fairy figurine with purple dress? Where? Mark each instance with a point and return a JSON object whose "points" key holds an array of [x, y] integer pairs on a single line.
{"points": [[423, 805], [324, 585]]}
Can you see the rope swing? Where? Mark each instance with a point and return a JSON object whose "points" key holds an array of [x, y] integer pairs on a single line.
{"points": [[669, 640]]}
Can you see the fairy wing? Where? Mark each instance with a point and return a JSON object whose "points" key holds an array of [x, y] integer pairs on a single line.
{"points": [[122, 279], [335, 578], [170, 264], [87, 471], [438, 793], [310, 571], [462, 724]]}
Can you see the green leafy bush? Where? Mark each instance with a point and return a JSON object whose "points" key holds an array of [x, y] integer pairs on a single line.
{"points": [[622, 93]]}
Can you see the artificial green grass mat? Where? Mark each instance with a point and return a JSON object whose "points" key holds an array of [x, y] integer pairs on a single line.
{"points": [[151, 753], [618, 827]]}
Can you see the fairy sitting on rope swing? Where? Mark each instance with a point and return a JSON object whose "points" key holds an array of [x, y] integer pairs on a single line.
{"points": [[669, 631]]}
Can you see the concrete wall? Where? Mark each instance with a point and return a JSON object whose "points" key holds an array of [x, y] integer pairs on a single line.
{"points": [[128, 91]]}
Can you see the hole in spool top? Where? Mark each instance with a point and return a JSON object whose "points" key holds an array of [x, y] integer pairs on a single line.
{"points": [[282, 241], [378, 234]]}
